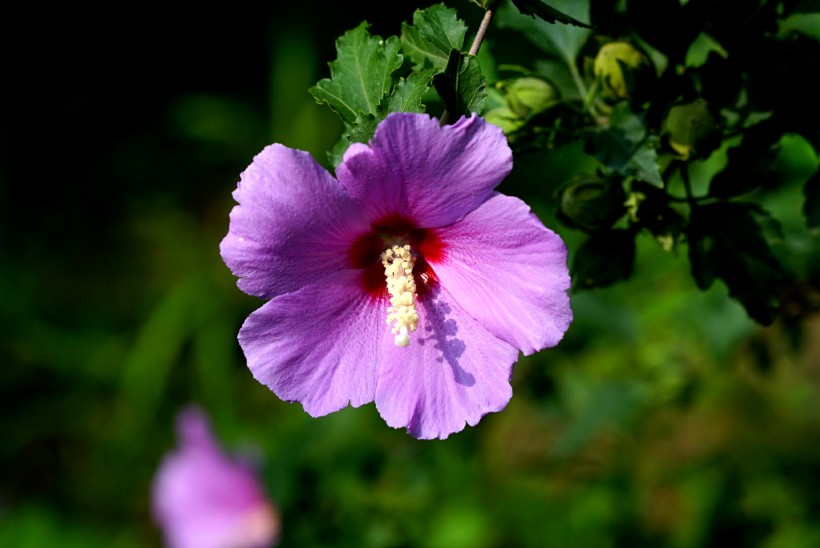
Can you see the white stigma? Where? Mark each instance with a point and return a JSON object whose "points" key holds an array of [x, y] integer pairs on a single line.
{"points": [[398, 271]]}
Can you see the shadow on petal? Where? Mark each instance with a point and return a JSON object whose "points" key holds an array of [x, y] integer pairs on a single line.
{"points": [[441, 329]]}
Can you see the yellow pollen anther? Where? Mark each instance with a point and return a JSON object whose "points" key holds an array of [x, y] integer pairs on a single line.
{"points": [[398, 271]]}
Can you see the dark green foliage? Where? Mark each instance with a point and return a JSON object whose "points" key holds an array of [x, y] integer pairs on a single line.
{"points": [[691, 129], [461, 86], [591, 203], [751, 164], [725, 242], [722, 96], [603, 259], [811, 207], [564, 41], [666, 25], [625, 147], [649, 207], [546, 12]]}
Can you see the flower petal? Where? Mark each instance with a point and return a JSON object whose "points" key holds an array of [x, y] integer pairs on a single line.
{"points": [[293, 225], [319, 345], [509, 272], [433, 175], [202, 498], [453, 372]]}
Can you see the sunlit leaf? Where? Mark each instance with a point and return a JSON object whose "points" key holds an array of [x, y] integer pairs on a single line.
{"points": [[361, 75], [364, 128], [435, 31], [409, 92], [405, 97]]}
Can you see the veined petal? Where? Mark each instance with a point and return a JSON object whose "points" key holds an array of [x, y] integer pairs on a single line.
{"points": [[430, 174], [319, 345], [509, 272], [452, 373], [293, 225]]}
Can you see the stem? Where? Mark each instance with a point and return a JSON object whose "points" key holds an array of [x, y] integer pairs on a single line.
{"points": [[579, 84], [479, 38], [593, 91], [482, 28], [687, 185]]}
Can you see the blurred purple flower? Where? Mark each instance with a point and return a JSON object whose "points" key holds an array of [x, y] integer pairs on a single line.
{"points": [[411, 233], [202, 498]]}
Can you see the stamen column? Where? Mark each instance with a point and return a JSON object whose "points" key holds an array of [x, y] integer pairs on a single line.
{"points": [[398, 265]]}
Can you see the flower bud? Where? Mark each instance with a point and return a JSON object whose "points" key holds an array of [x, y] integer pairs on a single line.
{"points": [[692, 130], [621, 69], [591, 203], [504, 118], [528, 95]]}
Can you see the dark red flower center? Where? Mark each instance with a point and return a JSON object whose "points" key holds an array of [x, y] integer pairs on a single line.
{"points": [[365, 253]]}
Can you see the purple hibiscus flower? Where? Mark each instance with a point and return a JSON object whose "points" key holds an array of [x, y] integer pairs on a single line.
{"points": [[406, 280], [204, 499]]}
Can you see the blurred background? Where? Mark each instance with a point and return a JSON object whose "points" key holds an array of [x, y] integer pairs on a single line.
{"points": [[665, 418]]}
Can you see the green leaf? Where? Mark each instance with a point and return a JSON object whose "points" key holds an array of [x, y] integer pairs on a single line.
{"points": [[408, 94], [364, 128], [749, 165], [405, 97], [336, 154], [559, 75], [811, 207], [435, 32], [563, 41], [361, 75], [649, 207], [726, 241], [603, 259], [461, 86], [692, 130], [805, 23], [625, 147], [546, 12]]}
